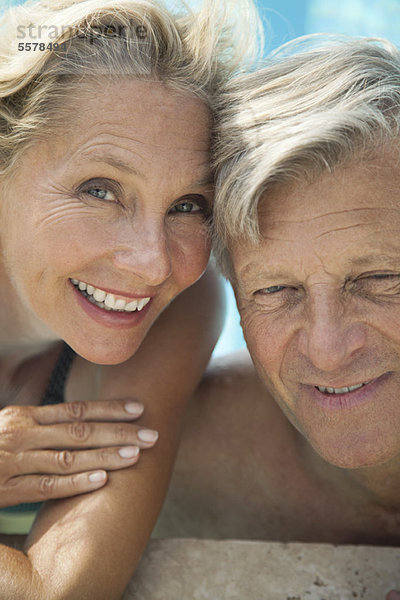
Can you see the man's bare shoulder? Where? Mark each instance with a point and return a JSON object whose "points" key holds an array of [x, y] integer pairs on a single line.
{"points": [[231, 393], [231, 446], [230, 371]]}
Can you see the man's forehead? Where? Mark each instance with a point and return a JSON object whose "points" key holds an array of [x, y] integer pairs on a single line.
{"points": [[365, 170], [256, 266], [345, 252], [351, 216]]}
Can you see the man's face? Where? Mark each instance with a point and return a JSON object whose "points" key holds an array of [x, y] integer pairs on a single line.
{"points": [[319, 299]]}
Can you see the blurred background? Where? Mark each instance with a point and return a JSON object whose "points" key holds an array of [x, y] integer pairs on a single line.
{"points": [[286, 19]]}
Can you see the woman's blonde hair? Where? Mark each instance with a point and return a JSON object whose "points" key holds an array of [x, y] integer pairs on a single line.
{"points": [[47, 47], [317, 103]]}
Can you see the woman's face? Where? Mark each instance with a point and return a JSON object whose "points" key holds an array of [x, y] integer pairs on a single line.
{"points": [[103, 226]]}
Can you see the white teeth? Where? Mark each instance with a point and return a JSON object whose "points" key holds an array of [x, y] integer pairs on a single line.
{"points": [[342, 390], [109, 301], [99, 295], [145, 301], [131, 306], [120, 304], [141, 303]]}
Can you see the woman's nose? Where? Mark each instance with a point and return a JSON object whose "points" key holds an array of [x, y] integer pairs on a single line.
{"points": [[330, 337], [144, 250]]}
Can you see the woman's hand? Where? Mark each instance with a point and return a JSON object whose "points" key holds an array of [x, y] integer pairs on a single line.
{"points": [[63, 450]]}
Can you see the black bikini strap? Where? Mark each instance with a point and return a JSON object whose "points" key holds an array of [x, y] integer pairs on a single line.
{"points": [[54, 393]]}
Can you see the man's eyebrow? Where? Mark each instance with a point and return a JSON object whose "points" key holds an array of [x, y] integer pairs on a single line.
{"points": [[254, 270], [377, 260]]}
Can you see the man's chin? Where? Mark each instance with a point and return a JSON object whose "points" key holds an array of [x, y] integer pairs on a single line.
{"points": [[354, 455]]}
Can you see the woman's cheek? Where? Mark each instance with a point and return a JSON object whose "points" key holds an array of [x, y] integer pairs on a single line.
{"points": [[191, 255]]}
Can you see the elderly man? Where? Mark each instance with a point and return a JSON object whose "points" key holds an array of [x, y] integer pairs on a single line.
{"points": [[305, 444]]}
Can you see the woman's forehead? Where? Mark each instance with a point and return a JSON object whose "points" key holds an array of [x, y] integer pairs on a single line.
{"points": [[143, 104], [150, 125]]}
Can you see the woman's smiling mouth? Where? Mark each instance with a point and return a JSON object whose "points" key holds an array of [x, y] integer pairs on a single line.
{"points": [[108, 301]]}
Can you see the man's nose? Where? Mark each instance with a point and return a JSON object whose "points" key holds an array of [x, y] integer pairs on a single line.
{"points": [[330, 336], [143, 249]]}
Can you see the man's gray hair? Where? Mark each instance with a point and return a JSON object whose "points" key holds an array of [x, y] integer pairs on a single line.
{"points": [[312, 107]]}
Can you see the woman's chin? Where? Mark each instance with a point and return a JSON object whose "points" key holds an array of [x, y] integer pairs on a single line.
{"points": [[106, 353]]}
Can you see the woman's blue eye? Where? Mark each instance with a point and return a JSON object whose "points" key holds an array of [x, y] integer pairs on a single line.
{"points": [[100, 193], [187, 207]]}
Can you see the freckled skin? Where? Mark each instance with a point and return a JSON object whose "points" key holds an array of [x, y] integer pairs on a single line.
{"points": [[133, 241]]}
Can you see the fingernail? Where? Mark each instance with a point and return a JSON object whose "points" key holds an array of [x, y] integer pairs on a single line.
{"points": [[128, 452], [134, 408], [97, 476], [147, 435]]}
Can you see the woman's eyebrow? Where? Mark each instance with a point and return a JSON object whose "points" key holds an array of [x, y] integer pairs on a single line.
{"points": [[117, 163], [207, 180], [113, 161]]}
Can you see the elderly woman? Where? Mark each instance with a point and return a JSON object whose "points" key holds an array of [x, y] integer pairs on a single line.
{"points": [[106, 194], [307, 214]]}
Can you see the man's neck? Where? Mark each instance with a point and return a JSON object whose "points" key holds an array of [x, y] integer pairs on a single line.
{"points": [[375, 486], [380, 484]]}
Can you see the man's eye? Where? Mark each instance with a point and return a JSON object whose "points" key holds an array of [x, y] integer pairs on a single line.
{"points": [[380, 283], [384, 276], [278, 297], [272, 289]]}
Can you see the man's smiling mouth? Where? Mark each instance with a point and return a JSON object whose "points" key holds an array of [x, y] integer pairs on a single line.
{"points": [[341, 390], [108, 301]]}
